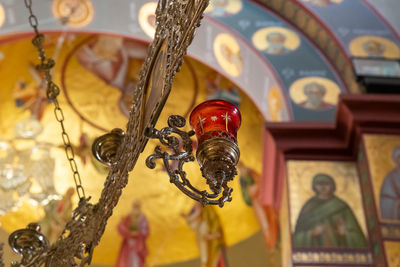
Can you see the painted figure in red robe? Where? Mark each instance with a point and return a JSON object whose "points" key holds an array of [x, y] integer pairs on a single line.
{"points": [[134, 229]]}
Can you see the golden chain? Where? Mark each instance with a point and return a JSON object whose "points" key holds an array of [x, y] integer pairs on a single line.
{"points": [[52, 92]]}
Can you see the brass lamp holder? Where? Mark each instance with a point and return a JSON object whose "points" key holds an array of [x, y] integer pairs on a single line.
{"points": [[217, 158], [105, 147], [176, 24], [30, 243]]}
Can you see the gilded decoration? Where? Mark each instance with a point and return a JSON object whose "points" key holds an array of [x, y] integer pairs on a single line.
{"points": [[355, 258], [222, 8], [169, 231], [392, 253], [313, 29], [74, 13], [276, 40], [290, 9], [275, 104], [228, 54], [374, 46], [383, 152], [390, 231], [308, 183], [316, 93], [285, 232], [147, 18], [2, 15]]}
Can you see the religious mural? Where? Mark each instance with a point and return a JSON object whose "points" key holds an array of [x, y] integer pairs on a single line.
{"points": [[74, 13], [134, 229], [227, 52], [222, 8], [374, 47], [315, 93], [390, 196], [29, 94], [266, 216], [115, 61], [245, 19], [147, 18], [278, 43], [368, 36], [103, 66], [209, 235], [276, 105], [275, 40], [325, 206], [383, 153], [114, 94]]}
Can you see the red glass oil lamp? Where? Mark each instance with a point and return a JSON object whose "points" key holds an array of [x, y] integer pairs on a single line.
{"points": [[216, 123]]}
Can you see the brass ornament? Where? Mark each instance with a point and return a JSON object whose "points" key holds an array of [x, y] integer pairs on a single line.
{"points": [[176, 24], [30, 243], [105, 147], [217, 158], [45, 66]]}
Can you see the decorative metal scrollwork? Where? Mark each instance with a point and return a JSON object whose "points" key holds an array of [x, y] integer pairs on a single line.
{"points": [[176, 24], [216, 172]]}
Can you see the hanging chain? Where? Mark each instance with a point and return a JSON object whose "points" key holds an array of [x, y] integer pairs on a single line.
{"points": [[52, 92]]}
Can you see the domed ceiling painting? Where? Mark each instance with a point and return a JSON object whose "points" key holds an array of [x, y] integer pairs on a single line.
{"points": [[96, 74]]}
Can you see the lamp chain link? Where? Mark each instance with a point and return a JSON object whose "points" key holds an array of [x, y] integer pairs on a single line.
{"points": [[52, 92]]}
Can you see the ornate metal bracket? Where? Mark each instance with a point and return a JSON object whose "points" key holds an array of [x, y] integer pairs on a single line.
{"points": [[105, 147], [176, 24], [217, 172], [30, 243]]}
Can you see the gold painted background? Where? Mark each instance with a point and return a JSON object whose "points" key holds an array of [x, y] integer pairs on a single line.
{"points": [[300, 175], [286, 244], [171, 240], [393, 253], [379, 150]]}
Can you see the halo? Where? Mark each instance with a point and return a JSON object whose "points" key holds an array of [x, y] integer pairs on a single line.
{"points": [[81, 17], [145, 11], [356, 46], [331, 95], [2, 15], [275, 103], [233, 7], [230, 43], [259, 39]]}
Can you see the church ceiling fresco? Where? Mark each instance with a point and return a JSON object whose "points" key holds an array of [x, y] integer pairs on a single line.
{"points": [[292, 58], [256, 49], [94, 72], [387, 11], [367, 36]]}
